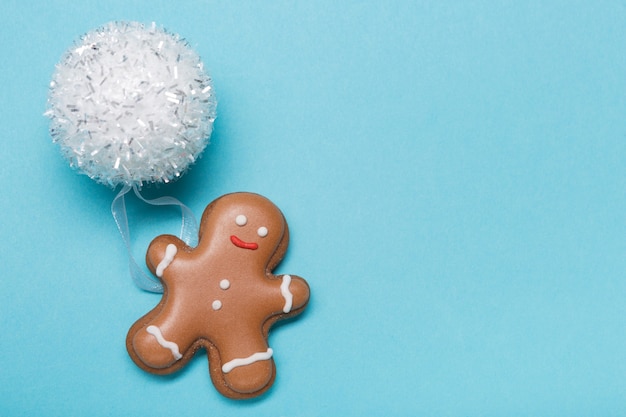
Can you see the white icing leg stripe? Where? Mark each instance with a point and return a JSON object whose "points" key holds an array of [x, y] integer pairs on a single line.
{"points": [[156, 332], [170, 252], [259, 356], [287, 295]]}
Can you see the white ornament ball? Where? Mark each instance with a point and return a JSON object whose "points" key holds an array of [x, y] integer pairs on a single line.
{"points": [[130, 104]]}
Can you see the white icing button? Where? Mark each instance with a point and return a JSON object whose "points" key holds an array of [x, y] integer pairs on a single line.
{"points": [[224, 284], [217, 304], [262, 231], [241, 220]]}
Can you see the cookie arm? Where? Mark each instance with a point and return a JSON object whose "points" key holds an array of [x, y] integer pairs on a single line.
{"points": [[161, 253], [294, 291]]}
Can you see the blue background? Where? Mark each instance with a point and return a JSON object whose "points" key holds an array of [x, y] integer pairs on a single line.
{"points": [[453, 173]]}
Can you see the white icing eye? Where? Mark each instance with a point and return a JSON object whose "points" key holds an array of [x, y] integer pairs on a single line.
{"points": [[241, 220], [262, 231]]}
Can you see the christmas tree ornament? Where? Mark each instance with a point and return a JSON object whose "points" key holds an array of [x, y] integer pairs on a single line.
{"points": [[131, 105]]}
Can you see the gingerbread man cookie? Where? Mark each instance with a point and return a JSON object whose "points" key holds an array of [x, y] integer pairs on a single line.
{"points": [[221, 296]]}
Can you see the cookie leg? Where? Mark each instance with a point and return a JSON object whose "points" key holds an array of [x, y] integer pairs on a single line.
{"points": [[156, 347], [249, 371]]}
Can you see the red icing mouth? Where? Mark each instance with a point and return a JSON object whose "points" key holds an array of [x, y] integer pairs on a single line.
{"points": [[244, 245]]}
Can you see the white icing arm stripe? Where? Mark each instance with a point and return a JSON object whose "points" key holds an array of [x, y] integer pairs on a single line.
{"points": [[259, 356], [156, 332], [287, 295], [170, 252]]}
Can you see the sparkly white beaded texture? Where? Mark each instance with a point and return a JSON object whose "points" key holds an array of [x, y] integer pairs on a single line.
{"points": [[130, 104]]}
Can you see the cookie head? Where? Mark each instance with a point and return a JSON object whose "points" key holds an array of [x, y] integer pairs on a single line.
{"points": [[244, 225]]}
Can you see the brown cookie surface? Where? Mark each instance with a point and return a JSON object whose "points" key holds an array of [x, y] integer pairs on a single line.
{"points": [[221, 296]]}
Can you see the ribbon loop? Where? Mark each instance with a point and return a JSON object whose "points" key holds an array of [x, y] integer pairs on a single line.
{"points": [[188, 232]]}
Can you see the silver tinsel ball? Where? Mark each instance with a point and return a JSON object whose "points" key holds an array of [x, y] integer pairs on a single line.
{"points": [[130, 104]]}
